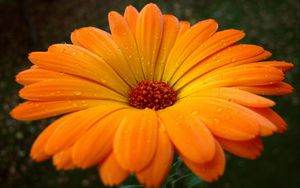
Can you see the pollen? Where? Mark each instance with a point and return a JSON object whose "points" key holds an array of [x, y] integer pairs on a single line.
{"points": [[151, 94]]}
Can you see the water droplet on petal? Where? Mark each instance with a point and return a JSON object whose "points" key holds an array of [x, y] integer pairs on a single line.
{"points": [[216, 120], [77, 93], [74, 53], [219, 109], [194, 113]]}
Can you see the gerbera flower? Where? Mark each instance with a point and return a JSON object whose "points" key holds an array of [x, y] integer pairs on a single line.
{"points": [[153, 86]]}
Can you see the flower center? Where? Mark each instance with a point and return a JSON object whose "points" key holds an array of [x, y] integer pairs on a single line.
{"points": [[152, 94]]}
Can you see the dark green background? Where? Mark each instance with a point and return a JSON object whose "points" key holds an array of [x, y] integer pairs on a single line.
{"points": [[28, 25]]}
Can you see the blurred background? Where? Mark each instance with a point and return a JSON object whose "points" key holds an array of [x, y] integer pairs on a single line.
{"points": [[29, 25]]}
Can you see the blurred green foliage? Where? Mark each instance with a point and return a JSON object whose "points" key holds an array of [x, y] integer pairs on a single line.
{"points": [[28, 25]]}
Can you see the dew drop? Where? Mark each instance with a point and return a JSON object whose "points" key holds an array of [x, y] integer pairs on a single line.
{"points": [[74, 53], [219, 109], [77, 93], [194, 113], [233, 59], [216, 120]]}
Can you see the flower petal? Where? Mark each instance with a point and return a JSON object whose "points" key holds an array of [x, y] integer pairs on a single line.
{"points": [[75, 60], [135, 141], [149, 29], [100, 43], [131, 15], [34, 75], [209, 171], [75, 126], [155, 173], [249, 149], [97, 142], [242, 75], [39, 110], [216, 42], [223, 118], [68, 89], [125, 39], [186, 45], [63, 160], [279, 88], [171, 28], [37, 151], [111, 173], [273, 117], [184, 26], [237, 96], [190, 136], [238, 53]]}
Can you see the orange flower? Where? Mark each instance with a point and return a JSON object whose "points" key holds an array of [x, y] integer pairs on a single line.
{"points": [[153, 86]]}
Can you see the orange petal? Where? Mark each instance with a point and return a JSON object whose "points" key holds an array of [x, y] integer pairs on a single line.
{"points": [[186, 45], [68, 89], [184, 26], [228, 119], [39, 110], [242, 75], [249, 149], [100, 43], [111, 173], [233, 54], [154, 174], [280, 88], [37, 151], [125, 39], [190, 136], [224, 119], [63, 160], [216, 42], [75, 60], [284, 66], [75, 126], [149, 30], [237, 96], [34, 75], [171, 28], [131, 16], [209, 171], [135, 141], [96, 143], [273, 117]]}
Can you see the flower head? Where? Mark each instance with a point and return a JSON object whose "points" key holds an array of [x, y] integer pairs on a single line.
{"points": [[153, 86]]}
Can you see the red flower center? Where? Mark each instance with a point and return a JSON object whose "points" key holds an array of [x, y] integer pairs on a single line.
{"points": [[152, 94]]}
